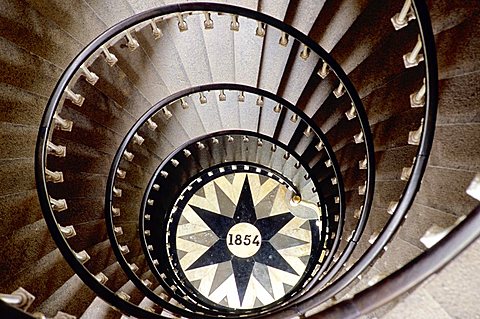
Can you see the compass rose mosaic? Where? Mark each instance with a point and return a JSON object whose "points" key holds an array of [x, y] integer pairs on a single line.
{"points": [[235, 242]]}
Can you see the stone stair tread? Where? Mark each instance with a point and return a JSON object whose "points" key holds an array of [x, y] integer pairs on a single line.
{"points": [[41, 276], [56, 46], [350, 52], [111, 11], [16, 204], [419, 219], [20, 106], [338, 24], [62, 298], [456, 96], [419, 304], [39, 76], [139, 6], [17, 175], [444, 189], [83, 24], [465, 37], [453, 147], [454, 287]]}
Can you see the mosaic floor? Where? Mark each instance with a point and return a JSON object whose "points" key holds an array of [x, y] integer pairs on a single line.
{"points": [[237, 243]]}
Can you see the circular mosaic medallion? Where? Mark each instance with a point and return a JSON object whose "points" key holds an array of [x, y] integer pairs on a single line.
{"points": [[234, 241]]}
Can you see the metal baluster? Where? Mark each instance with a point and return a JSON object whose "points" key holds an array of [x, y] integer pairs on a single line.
{"points": [[406, 14], [182, 24], [414, 57], [208, 23], [324, 70], [157, 32], [234, 25], [283, 39], [91, 77], [76, 99], [132, 43], [109, 57], [417, 99]]}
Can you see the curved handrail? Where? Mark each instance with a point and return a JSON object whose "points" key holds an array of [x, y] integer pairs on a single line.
{"points": [[411, 275], [56, 96], [314, 298], [219, 134], [176, 96]]}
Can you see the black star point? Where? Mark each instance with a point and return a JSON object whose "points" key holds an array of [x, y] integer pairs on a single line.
{"points": [[245, 210]]}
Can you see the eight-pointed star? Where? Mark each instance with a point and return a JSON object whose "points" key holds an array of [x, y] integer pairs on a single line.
{"points": [[244, 213]]}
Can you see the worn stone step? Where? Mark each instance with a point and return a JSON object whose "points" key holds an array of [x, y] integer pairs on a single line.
{"points": [[81, 23], [20, 106], [139, 6], [458, 11], [56, 46], [466, 40], [61, 299], [16, 205], [17, 141], [42, 276], [18, 176], [454, 288], [111, 11], [444, 189], [37, 75], [419, 219], [453, 147], [456, 97], [392, 61], [23, 247], [117, 86], [334, 21], [366, 33], [420, 304]]}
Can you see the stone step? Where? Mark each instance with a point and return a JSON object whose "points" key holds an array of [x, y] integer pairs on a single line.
{"points": [[16, 205], [370, 26], [444, 189], [111, 11], [33, 67], [56, 46], [465, 38], [62, 298], [341, 16], [82, 22], [454, 288], [18, 176], [453, 147], [42, 276], [456, 96], [18, 141], [139, 6], [458, 11], [20, 106], [23, 247], [419, 304]]}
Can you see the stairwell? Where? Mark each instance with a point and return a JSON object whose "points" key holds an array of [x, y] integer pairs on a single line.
{"points": [[39, 39]]}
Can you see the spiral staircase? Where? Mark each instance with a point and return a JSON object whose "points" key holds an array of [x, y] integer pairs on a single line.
{"points": [[283, 159]]}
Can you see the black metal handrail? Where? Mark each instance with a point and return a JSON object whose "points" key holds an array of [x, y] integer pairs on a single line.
{"points": [[56, 96], [316, 297], [412, 274], [176, 96], [232, 133]]}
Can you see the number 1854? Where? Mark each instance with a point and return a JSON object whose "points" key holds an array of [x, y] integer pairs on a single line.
{"points": [[246, 240]]}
